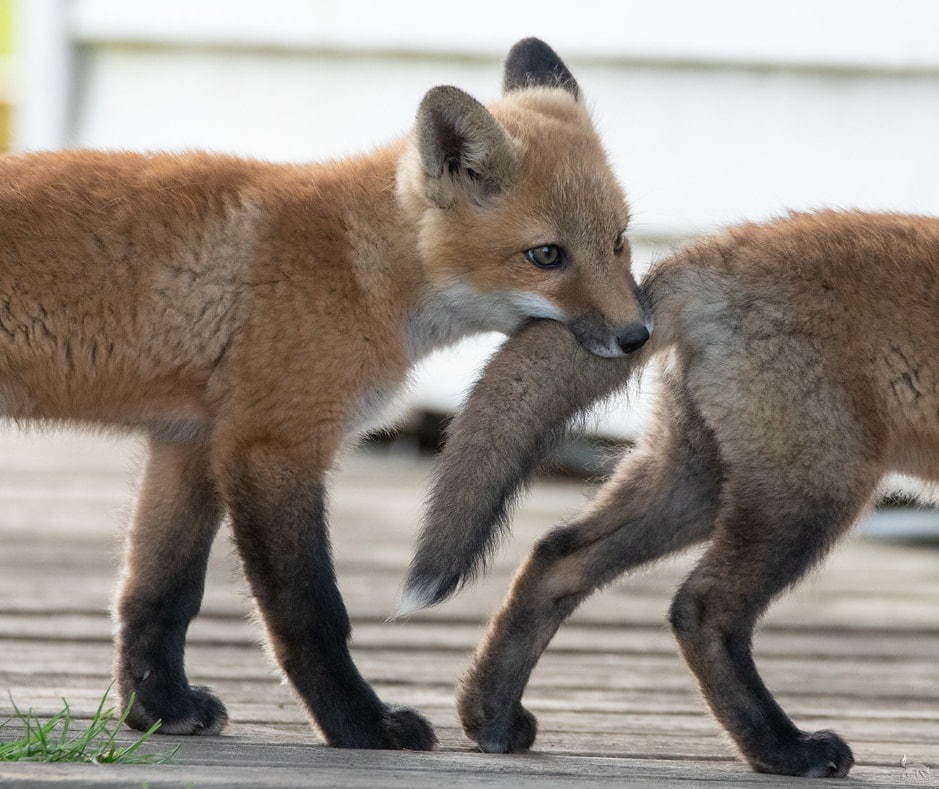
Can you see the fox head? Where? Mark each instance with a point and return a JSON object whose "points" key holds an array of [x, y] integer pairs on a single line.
{"points": [[518, 211]]}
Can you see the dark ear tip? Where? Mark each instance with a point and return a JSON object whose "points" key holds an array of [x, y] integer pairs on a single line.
{"points": [[440, 93], [531, 62], [446, 98], [531, 44]]}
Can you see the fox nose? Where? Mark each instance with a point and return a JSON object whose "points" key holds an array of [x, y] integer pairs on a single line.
{"points": [[632, 337]]}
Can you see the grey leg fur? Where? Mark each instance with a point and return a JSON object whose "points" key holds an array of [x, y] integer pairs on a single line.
{"points": [[762, 545], [663, 497]]}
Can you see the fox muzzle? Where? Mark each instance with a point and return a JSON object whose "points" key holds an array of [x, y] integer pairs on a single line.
{"points": [[601, 339], [633, 337]]}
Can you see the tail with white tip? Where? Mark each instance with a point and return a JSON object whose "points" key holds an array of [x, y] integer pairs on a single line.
{"points": [[529, 392]]}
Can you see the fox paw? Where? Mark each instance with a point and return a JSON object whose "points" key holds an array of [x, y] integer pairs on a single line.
{"points": [[821, 754], [193, 711], [514, 735], [512, 731], [406, 729]]}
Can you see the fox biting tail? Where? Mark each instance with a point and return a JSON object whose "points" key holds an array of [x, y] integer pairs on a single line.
{"points": [[529, 392]]}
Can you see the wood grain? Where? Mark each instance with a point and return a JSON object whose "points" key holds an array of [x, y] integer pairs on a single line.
{"points": [[854, 648]]}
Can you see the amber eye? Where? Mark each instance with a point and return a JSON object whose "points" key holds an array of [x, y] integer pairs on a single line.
{"points": [[548, 256], [619, 243]]}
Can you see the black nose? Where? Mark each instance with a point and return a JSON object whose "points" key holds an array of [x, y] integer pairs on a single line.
{"points": [[632, 337]]}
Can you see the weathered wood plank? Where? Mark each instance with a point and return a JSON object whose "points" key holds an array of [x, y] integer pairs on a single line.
{"points": [[242, 760], [654, 673], [575, 637], [854, 648], [371, 594], [563, 727], [262, 766]]}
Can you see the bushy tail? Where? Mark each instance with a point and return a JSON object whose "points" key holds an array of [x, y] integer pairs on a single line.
{"points": [[521, 406]]}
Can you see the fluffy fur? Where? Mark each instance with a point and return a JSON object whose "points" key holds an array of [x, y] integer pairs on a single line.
{"points": [[800, 368], [251, 317]]}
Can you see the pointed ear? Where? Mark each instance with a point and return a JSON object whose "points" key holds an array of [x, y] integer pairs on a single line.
{"points": [[464, 151], [532, 63]]}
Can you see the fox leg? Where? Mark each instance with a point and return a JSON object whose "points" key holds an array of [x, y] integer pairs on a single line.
{"points": [[178, 514], [802, 454], [662, 498], [275, 494], [765, 541]]}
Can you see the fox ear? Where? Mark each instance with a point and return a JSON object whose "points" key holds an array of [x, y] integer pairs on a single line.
{"points": [[465, 153], [532, 63]]}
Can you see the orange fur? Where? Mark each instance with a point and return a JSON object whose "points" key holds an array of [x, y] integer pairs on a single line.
{"points": [[249, 317]]}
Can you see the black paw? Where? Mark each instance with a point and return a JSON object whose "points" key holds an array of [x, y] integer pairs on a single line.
{"points": [[195, 710], [511, 733], [406, 729], [821, 754]]}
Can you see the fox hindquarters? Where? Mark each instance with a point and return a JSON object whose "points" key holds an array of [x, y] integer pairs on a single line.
{"points": [[251, 318], [800, 369]]}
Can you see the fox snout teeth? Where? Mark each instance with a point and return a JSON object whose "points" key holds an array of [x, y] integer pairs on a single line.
{"points": [[632, 338]]}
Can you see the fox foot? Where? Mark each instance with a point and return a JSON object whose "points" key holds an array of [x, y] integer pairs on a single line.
{"points": [[511, 731], [194, 710], [821, 754], [406, 729]]}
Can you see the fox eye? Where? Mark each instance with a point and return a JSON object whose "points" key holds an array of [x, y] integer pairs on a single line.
{"points": [[548, 256], [619, 243]]}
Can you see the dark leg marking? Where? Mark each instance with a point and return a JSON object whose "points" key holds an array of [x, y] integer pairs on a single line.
{"points": [[282, 537], [178, 514], [754, 556]]}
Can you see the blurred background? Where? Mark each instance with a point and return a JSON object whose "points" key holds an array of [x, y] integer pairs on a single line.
{"points": [[712, 112]]}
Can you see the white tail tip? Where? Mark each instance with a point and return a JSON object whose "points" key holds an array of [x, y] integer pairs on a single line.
{"points": [[412, 600]]}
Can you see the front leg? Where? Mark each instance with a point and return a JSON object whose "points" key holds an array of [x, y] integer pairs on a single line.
{"points": [[277, 504], [178, 514]]}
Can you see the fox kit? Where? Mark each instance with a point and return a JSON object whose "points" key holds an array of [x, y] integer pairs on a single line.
{"points": [[250, 317], [801, 367]]}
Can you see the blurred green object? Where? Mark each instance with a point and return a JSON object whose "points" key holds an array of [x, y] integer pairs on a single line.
{"points": [[6, 67], [6, 27]]}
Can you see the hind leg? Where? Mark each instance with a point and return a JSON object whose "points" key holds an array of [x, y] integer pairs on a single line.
{"points": [[767, 537], [178, 514], [662, 498], [802, 455]]}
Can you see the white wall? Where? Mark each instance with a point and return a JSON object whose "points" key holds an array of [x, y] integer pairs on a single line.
{"points": [[712, 112]]}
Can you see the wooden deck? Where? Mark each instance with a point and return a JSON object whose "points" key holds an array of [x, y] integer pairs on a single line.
{"points": [[854, 649]]}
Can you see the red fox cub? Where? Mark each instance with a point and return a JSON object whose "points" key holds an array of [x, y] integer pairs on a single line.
{"points": [[802, 365], [251, 317]]}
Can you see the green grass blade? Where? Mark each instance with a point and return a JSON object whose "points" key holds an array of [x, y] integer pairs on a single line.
{"points": [[57, 740]]}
